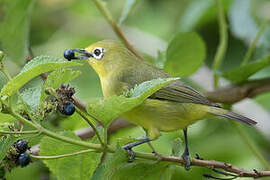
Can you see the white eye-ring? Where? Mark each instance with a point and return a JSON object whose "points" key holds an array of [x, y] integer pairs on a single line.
{"points": [[98, 53]]}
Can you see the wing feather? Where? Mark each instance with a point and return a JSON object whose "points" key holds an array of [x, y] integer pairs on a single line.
{"points": [[178, 92]]}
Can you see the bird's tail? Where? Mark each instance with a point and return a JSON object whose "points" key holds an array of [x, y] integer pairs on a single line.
{"points": [[231, 115]]}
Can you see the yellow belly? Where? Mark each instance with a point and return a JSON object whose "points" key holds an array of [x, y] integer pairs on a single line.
{"points": [[158, 115]]}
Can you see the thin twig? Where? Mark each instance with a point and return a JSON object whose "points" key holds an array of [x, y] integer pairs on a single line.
{"points": [[223, 42], [218, 178], [254, 43], [62, 155], [217, 164], [79, 104], [19, 132], [101, 5], [223, 173], [87, 119]]}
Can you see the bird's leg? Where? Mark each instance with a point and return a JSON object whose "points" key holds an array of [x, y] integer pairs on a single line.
{"points": [[149, 143], [152, 148], [128, 147], [185, 155]]}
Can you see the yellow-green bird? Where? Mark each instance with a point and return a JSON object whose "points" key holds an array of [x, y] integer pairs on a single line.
{"points": [[174, 107]]}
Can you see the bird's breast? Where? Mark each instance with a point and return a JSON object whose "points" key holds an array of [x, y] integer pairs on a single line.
{"points": [[112, 87]]}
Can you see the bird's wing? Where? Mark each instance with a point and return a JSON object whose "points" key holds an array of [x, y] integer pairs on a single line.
{"points": [[178, 92]]}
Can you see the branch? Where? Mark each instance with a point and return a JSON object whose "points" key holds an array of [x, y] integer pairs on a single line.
{"points": [[79, 104], [107, 15], [235, 93], [253, 45], [223, 42], [61, 155], [19, 132], [212, 164]]}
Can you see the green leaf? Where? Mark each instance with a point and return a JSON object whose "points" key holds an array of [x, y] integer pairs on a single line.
{"points": [[6, 118], [40, 60], [32, 97], [5, 143], [73, 122], [14, 27], [142, 169], [128, 7], [110, 108], [242, 73], [79, 166], [35, 67], [116, 167], [54, 81], [111, 165], [185, 54]]}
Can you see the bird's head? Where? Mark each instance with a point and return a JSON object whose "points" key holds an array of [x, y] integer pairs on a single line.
{"points": [[104, 56]]}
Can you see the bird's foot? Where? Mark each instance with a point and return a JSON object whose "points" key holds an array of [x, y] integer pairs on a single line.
{"points": [[130, 153], [128, 148], [186, 157]]}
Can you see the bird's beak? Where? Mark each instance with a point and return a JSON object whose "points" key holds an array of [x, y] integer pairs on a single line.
{"points": [[69, 54]]}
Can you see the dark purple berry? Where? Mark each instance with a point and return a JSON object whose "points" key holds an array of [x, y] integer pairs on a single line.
{"points": [[68, 109], [69, 54], [22, 146], [23, 159]]}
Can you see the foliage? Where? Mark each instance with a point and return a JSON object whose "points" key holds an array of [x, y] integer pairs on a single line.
{"points": [[242, 73], [32, 69], [181, 59], [15, 27], [116, 167], [78, 167]]}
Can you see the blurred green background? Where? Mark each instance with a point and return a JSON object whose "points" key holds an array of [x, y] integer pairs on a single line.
{"points": [[56, 25]]}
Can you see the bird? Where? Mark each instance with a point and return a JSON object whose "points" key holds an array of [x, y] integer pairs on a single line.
{"points": [[173, 107]]}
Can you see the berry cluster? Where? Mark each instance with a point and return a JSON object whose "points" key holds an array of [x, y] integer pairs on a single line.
{"points": [[65, 94], [23, 158]]}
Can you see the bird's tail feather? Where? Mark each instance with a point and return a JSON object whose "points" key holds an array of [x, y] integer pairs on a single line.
{"points": [[231, 115]]}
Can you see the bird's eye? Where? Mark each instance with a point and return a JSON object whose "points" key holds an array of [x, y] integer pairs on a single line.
{"points": [[98, 53]]}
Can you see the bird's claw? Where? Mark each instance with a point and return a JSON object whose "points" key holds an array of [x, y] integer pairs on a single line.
{"points": [[128, 148], [187, 160], [130, 154]]}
